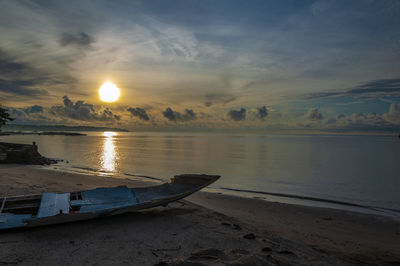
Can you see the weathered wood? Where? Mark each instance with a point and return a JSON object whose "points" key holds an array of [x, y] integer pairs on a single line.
{"points": [[20, 207], [2, 204], [23, 198]]}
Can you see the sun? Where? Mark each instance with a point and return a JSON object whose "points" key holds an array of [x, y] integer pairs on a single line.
{"points": [[109, 92]]}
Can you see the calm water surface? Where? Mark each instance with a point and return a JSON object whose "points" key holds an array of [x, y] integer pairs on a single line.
{"points": [[357, 169]]}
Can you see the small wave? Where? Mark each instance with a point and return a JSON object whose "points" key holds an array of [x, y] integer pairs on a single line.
{"points": [[88, 169], [381, 209], [145, 176], [116, 173]]}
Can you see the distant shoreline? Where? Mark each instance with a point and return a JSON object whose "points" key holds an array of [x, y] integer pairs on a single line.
{"points": [[48, 133], [63, 128]]}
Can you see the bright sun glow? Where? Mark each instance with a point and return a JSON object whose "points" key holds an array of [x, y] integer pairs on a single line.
{"points": [[109, 92]]}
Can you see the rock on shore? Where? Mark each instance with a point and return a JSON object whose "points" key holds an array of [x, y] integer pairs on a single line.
{"points": [[22, 154]]}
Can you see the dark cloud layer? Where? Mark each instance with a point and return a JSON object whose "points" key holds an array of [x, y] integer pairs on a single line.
{"points": [[69, 110], [370, 90], [16, 79], [172, 115], [21, 87], [24, 80], [139, 112], [82, 111], [81, 39], [237, 115], [9, 66]]}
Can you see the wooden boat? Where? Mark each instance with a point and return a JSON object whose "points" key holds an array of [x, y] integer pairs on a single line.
{"points": [[54, 208]]}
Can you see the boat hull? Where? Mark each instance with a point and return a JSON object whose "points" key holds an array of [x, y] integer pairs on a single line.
{"points": [[56, 208]]}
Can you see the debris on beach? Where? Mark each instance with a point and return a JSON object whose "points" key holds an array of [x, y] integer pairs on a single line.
{"points": [[250, 236]]}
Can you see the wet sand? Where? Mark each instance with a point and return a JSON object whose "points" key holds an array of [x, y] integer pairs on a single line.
{"points": [[204, 229]]}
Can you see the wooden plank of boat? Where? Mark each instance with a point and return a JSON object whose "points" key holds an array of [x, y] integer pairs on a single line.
{"points": [[53, 208]]}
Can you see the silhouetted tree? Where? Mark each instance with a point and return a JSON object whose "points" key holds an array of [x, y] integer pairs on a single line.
{"points": [[4, 117]]}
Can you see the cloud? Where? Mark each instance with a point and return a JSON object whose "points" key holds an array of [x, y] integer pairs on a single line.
{"points": [[22, 87], [10, 67], [394, 113], [370, 90], [139, 112], [34, 109], [67, 112], [172, 115], [15, 78], [394, 109], [237, 115], [82, 111], [373, 122], [81, 40], [189, 115], [34, 113], [262, 112], [223, 98], [108, 115], [314, 115], [28, 79]]}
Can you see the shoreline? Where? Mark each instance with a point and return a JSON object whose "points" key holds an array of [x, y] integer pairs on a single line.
{"points": [[293, 199], [283, 233]]}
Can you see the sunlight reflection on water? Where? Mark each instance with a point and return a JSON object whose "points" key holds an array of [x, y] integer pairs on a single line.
{"points": [[109, 152]]}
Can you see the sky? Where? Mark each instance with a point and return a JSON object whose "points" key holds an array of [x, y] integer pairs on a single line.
{"points": [[203, 65]]}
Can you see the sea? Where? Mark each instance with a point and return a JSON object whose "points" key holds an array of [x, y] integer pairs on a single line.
{"points": [[356, 172]]}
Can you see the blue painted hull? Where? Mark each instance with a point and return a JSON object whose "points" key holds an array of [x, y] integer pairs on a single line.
{"points": [[54, 208]]}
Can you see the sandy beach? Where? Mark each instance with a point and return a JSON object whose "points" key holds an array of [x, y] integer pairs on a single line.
{"points": [[204, 229]]}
